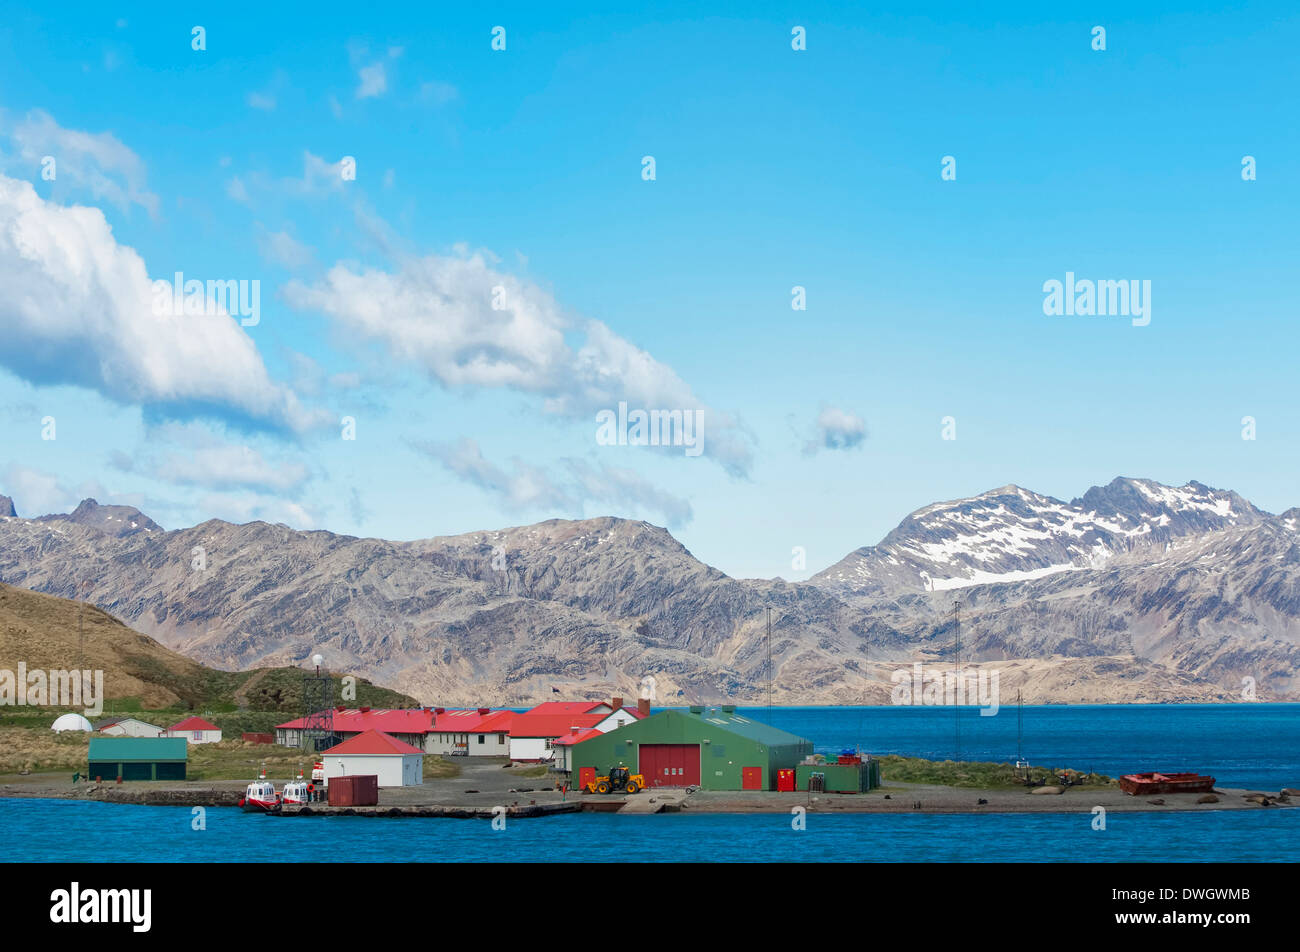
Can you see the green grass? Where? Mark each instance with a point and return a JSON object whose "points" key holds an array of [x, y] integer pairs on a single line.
{"points": [[973, 774]]}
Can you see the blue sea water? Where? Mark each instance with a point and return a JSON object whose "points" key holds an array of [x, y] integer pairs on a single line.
{"points": [[74, 831], [1242, 745]]}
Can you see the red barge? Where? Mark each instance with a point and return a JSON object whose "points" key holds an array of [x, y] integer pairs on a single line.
{"points": [[1138, 784]]}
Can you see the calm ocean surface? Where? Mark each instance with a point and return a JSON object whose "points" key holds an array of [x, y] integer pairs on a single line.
{"points": [[1242, 745]]}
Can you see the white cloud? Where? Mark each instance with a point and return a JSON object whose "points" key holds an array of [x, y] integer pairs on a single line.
{"points": [[197, 456], [319, 175], [263, 101], [230, 467], [250, 507], [524, 486], [236, 190], [36, 493], [97, 162], [373, 81], [837, 429], [85, 317], [438, 313], [283, 249], [615, 485]]}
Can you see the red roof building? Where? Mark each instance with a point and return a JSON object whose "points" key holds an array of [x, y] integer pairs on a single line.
{"points": [[394, 763], [481, 732], [195, 730], [575, 737], [194, 724], [357, 720], [434, 730], [371, 743], [532, 734]]}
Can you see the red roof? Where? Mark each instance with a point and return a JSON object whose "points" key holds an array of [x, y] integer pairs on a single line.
{"points": [[551, 725], [194, 724], [568, 740], [471, 721], [355, 721], [498, 721], [568, 707], [373, 742]]}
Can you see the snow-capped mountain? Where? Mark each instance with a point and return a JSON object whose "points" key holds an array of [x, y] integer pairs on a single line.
{"points": [[1133, 592], [1011, 534]]}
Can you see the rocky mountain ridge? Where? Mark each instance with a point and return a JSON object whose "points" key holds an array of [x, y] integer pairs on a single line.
{"points": [[1134, 591]]}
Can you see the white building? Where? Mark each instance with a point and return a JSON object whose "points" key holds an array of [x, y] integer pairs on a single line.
{"points": [[195, 730], [394, 762], [533, 734], [616, 719], [127, 727], [469, 733]]}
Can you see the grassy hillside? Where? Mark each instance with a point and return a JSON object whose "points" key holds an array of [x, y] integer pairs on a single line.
{"points": [[139, 673]]}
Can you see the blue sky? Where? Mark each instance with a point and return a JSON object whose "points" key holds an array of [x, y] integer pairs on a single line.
{"points": [[522, 169]]}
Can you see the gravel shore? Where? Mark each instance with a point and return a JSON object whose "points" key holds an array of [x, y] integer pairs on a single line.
{"points": [[486, 785]]}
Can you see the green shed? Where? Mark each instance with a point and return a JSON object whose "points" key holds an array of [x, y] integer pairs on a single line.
{"points": [[839, 778], [713, 748], [138, 758]]}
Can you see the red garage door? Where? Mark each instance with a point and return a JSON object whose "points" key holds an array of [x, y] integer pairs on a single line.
{"points": [[670, 765]]}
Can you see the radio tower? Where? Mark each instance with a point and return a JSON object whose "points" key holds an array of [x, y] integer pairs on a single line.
{"points": [[317, 706], [956, 675], [769, 665]]}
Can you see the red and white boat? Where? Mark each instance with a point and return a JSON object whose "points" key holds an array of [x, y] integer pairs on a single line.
{"points": [[297, 793], [260, 797]]}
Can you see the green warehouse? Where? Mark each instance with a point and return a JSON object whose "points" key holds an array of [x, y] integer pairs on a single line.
{"points": [[714, 748], [138, 758]]}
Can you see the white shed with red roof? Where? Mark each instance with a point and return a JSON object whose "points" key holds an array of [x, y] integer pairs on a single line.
{"points": [[396, 763], [195, 730]]}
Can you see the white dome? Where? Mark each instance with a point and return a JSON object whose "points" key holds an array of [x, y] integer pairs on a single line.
{"points": [[71, 722]]}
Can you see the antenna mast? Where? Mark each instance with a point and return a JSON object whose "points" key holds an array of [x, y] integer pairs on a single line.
{"points": [[769, 664], [956, 675]]}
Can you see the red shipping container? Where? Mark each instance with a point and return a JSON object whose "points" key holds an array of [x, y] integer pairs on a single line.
{"points": [[357, 790], [785, 781]]}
